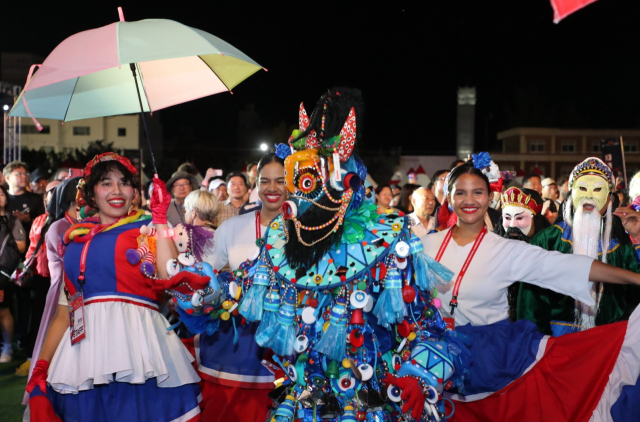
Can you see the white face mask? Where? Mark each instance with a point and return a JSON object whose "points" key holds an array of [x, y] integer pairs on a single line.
{"points": [[519, 217]]}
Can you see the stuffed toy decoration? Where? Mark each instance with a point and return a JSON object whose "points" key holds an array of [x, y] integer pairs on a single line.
{"points": [[145, 251], [345, 296], [191, 301]]}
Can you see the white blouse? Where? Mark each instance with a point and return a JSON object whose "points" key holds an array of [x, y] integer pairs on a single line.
{"points": [[498, 263], [235, 241]]}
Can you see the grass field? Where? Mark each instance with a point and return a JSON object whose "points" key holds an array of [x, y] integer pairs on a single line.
{"points": [[11, 390]]}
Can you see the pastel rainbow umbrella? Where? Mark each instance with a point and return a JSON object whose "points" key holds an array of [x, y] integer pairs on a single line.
{"points": [[131, 67]]}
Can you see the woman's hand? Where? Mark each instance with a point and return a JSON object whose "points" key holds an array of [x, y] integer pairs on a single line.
{"points": [[160, 201], [630, 220], [39, 376]]}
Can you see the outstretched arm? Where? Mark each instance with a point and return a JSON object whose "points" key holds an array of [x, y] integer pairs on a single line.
{"points": [[608, 274]]}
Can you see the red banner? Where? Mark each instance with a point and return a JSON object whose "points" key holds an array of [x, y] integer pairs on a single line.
{"points": [[563, 8]]}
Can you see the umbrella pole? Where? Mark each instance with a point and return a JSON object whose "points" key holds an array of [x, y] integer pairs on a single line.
{"points": [[144, 122]]}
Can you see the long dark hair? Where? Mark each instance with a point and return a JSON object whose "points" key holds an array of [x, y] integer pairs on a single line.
{"points": [[99, 172], [405, 197], [335, 106]]}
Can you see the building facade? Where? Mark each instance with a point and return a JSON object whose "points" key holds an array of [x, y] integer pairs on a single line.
{"points": [[555, 152], [69, 136]]}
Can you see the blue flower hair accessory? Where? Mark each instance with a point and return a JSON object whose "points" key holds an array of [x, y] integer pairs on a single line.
{"points": [[283, 150], [482, 160]]}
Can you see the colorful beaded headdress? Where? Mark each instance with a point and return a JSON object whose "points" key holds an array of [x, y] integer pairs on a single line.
{"points": [[514, 197], [594, 166]]}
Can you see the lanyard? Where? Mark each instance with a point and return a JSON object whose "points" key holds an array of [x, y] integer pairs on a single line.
{"points": [[465, 266], [68, 218], [83, 264], [258, 226]]}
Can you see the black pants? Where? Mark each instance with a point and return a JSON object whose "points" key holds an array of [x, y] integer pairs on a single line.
{"points": [[31, 302]]}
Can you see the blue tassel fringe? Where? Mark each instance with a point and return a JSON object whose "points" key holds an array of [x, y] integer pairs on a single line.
{"points": [[333, 342], [251, 306], [430, 272], [280, 338], [390, 308]]}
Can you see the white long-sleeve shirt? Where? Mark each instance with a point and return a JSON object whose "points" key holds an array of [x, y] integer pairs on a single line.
{"points": [[235, 240], [498, 263]]}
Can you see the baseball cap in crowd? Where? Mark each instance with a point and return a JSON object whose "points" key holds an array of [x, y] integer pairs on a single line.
{"points": [[38, 174], [215, 184]]}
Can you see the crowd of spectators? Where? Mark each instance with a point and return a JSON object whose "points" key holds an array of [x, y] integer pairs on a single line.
{"points": [[207, 201]]}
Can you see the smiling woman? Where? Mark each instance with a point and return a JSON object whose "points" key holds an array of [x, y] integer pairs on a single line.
{"points": [[475, 301], [236, 389], [93, 353], [111, 191]]}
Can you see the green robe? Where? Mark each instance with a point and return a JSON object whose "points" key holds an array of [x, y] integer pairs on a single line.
{"points": [[543, 306]]}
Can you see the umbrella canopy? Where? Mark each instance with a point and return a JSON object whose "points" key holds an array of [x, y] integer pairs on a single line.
{"points": [[88, 74]]}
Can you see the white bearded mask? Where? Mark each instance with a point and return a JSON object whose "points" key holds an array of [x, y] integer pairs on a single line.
{"points": [[590, 186]]}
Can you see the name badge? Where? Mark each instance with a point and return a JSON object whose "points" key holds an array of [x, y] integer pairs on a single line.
{"points": [[451, 324], [76, 317]]}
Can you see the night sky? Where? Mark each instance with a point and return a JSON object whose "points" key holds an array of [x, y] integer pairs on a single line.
{"points": [[407, 57]]}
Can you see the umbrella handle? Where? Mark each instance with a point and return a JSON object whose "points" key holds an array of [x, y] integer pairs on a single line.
{"points": [[144, 121]]}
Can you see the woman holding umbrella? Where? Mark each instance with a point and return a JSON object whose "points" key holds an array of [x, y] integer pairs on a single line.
{"points": [[107, 354]]}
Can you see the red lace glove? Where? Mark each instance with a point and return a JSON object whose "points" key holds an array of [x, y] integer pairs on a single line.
{"points": [[195, 281], [39, 376], [160, 201], [411, 394]]}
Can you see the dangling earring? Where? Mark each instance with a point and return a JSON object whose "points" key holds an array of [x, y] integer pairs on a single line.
{"points": [[131, 207]]}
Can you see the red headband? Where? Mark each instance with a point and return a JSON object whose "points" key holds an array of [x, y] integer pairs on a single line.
{"points": [[109, 156]]}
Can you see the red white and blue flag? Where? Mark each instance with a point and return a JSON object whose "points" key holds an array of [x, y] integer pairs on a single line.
{"points": [[563, 8], [586, 376]]}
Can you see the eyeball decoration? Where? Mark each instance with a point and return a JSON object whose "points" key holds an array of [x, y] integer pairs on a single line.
{"points": [[394, 393], [307, 183], [346, 384], [343, 264]]}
